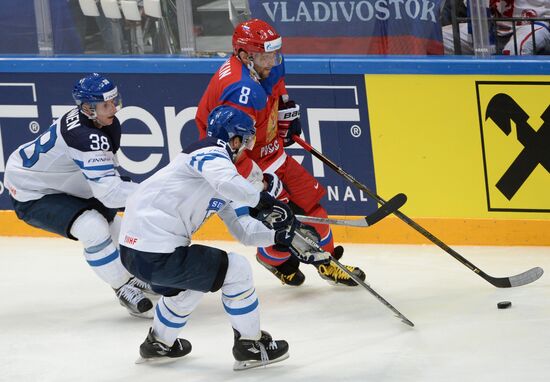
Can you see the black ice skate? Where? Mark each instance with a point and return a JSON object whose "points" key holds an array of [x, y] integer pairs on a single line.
{"points": [[251, 353], [144, 287], [287, 272], [336, 276], [152, 350], [134, 300]]}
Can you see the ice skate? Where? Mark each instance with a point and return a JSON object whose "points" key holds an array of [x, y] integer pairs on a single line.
{"points": [[288, 274], [250, 353], [336, 276], [145, 288], [133, 299], [152, 350]]}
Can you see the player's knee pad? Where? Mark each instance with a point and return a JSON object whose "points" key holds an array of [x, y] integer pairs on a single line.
{"points": [[91, 228], [239, 270]]}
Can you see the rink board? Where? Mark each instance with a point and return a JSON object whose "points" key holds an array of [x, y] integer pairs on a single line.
{"points": [[397, 125]]}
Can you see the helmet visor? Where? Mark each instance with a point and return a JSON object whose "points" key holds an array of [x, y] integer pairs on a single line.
{"points": [[268, 59]]}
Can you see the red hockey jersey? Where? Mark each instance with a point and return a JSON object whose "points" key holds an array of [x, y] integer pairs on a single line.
{"points": [[234, 85]]}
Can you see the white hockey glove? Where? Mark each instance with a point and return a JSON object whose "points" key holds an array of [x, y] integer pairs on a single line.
{"points": [[289, 121]]}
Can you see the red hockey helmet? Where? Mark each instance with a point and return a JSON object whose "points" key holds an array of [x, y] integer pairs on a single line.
{"points": [[256, 36]]}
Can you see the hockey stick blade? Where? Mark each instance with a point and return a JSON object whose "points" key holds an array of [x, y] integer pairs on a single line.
{"points": [[524, 278], [388, 208]]}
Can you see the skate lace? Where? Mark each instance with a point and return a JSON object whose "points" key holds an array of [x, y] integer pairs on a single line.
{"points": [[135, 282], [130, 294], [263, 354], [334, 272]]}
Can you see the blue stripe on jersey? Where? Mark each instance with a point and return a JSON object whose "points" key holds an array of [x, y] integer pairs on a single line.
{"points": [[242, 211], [205, 157], [166, 322], [171, 312], [98, 178], [246, 92], [241, 311], [94, 168], [105, 260], [238, 294]]}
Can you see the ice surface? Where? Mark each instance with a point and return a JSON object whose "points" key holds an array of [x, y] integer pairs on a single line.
{"points": [[59, 322]]}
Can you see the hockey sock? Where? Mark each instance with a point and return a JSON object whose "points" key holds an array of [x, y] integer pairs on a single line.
{"points": [[172, 313], [92, 230], [327, 242], [239, 297], [271, 256]]}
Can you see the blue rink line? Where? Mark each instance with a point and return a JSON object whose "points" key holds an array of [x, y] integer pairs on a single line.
{"points": [[535, 65]]}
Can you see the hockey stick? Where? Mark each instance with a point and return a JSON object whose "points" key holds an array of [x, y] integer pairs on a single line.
{"points": [[339, 265], [524, 278], [386, 209]]}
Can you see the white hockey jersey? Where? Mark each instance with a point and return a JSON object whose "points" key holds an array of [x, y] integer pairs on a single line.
{"points": [[172, 204], [72, 157]]}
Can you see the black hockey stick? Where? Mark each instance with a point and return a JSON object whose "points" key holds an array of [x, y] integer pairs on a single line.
{"points": [[500, 282], [343, 268], [386, 209]]}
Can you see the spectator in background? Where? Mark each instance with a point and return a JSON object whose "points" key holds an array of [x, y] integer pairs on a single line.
{"points": [[506, 42]]}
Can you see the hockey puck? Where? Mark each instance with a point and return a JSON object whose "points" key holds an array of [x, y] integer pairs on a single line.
{"points": [[504, 304]]}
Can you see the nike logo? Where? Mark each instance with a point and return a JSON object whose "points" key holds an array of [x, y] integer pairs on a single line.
{"points": [[316, 186]]}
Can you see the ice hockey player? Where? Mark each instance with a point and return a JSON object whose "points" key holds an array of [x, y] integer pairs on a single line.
{"points": [[66, 182], [253, 80], [165, 211]]}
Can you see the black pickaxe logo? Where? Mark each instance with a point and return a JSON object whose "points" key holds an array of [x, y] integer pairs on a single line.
{"points": [[503, 110]]}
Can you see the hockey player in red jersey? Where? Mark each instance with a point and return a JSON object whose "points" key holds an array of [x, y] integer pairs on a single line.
{"points": [[253, 80]]}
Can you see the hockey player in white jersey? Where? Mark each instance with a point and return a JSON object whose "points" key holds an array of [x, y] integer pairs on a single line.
{"points": [[165, 211], [66, 182]]}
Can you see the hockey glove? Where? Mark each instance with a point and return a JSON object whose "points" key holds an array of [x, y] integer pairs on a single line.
{"points": [[274, 186], [272, 212], [289, 122], [305, 246]]}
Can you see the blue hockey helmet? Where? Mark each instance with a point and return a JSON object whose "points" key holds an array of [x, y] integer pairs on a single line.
{"points": [[95, 88], [226, 122]]}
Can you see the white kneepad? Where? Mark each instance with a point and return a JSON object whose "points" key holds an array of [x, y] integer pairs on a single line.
{"points": [[91, 228], [238, 269]]}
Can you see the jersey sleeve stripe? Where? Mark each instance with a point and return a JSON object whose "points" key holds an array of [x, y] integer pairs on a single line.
{"points": [[241, 211], [94, 168]]}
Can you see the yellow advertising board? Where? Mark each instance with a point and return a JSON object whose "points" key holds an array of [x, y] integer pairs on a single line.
{"points": [[466, 146]]}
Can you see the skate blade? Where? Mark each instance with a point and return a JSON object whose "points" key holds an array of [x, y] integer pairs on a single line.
{"points": [[155, 360], [244, 365], [146, 315]]}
